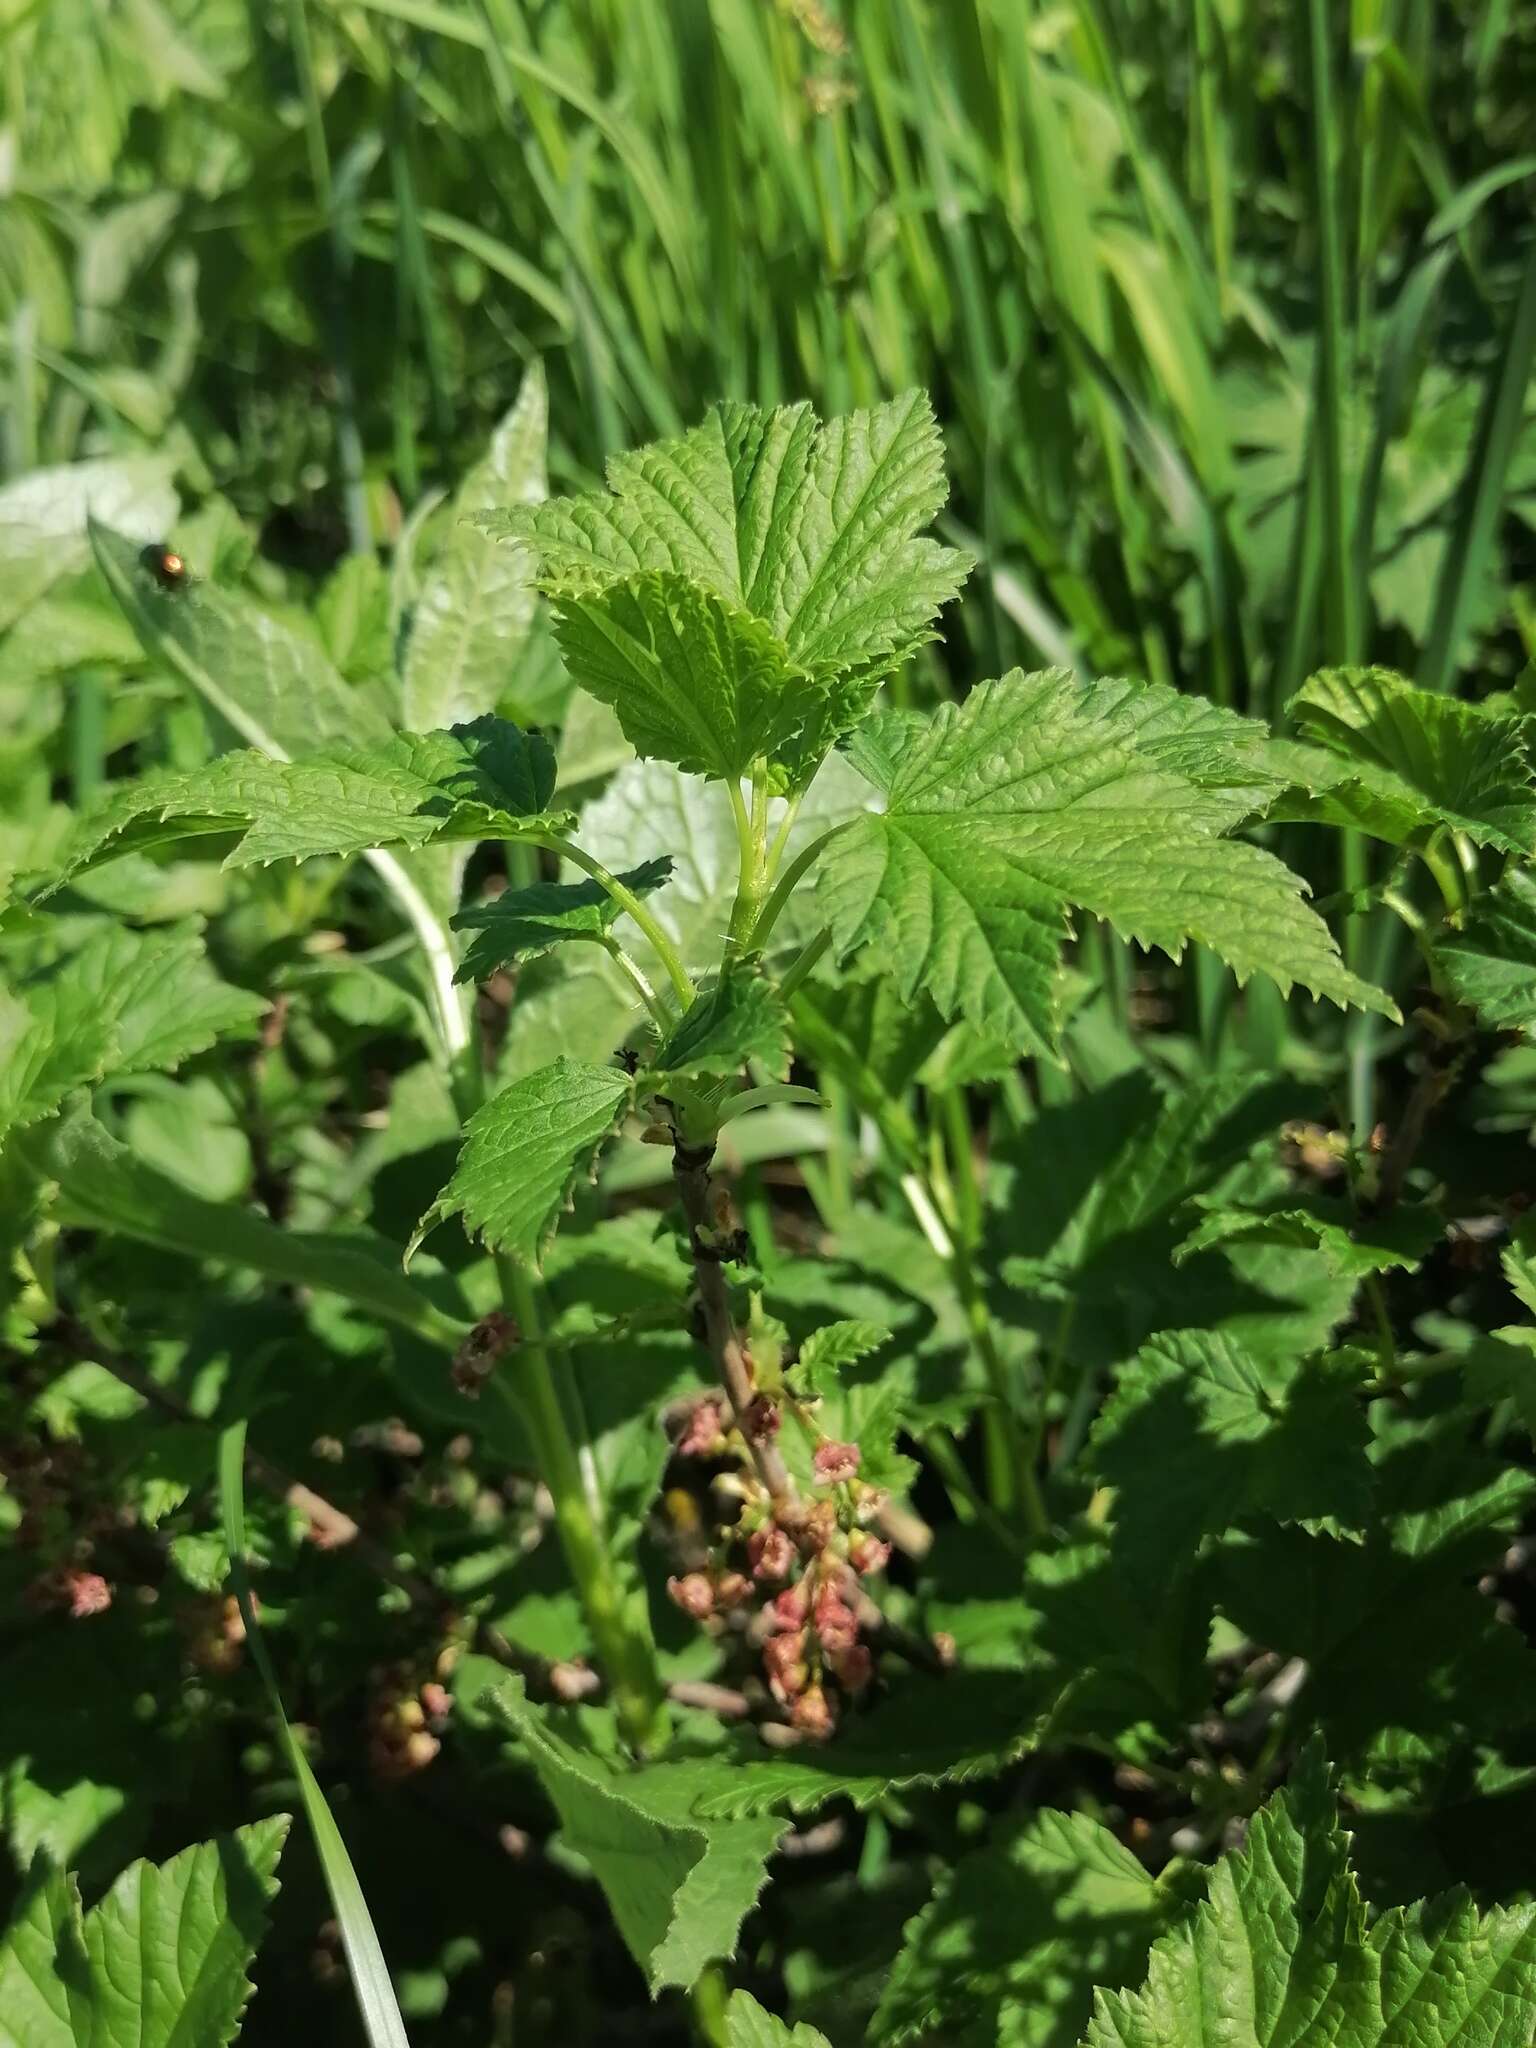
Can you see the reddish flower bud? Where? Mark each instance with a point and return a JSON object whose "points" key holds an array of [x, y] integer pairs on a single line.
{"points": [[770, 1553], [436, 1700], [835, 1463], [790, 1607], [854, 1668], [812, 1714], [836, 1624], [784, 1662], [819, 1526], [762, 1421], [88, 1593], [869, 1502], [704, 1435], [732, 1589], [944, 1643], [694, 1594], [867, 1553]]}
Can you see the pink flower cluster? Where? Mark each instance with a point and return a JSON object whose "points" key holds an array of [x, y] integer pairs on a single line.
{"points": [[797, 1563]]}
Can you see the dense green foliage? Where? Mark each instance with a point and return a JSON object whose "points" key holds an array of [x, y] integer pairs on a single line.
{"points": [[770, 1218]]}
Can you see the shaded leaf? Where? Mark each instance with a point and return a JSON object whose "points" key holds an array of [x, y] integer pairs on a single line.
{"points": [[1490, 963], [520, 924], [1031, 1924], [679, 1885], [1418, 760], [1352, 1245]]}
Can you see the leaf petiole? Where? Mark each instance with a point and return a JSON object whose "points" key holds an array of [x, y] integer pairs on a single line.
{"points": [[628, 901]]}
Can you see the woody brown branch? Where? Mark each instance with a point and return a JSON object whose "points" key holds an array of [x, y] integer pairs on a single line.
{"points": [[722, 1339]]}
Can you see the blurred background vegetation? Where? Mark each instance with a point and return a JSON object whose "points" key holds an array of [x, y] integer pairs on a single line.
{"points": [[1228, 306]]}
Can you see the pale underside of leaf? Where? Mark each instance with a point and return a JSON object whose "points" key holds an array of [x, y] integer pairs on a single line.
{"points": [[478, 600]]}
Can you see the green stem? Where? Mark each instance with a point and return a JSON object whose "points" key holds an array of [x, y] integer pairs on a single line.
{"points": [[751, 833], [804, 963], [785, 887], [655, 1007], [628, 901], [781, 837], [619, 1627], [616, 1614], [1386, 1343]]}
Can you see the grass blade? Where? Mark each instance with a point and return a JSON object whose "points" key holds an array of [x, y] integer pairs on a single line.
{"points": [[371, 1982], [1482, 489]]}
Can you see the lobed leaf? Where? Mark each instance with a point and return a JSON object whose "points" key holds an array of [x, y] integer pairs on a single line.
{"points": [[1417, 759], [741, 590], [1278, 1955], [1033, 797]]}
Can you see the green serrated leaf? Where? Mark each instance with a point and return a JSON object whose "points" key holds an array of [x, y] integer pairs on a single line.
{"points": [[694, 679], [740, 1019], [523, 1151], [1418, 759], [1028, 799], [1278, 1955], [1490, 963], [1352, 1245], [1093, 1197], [1031, 1923], [829, 1351], [127, 1003], [810, 532], [679, 1884], [477, 601], [485, 780], [1200, 1434], [520, 924], [747, 2025], [160, 1961]]}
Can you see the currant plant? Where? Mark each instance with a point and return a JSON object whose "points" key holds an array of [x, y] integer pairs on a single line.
{"points": [[1226, 1482]]}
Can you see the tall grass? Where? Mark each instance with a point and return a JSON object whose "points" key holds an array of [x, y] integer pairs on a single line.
{"points": [[1228, 305]]}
